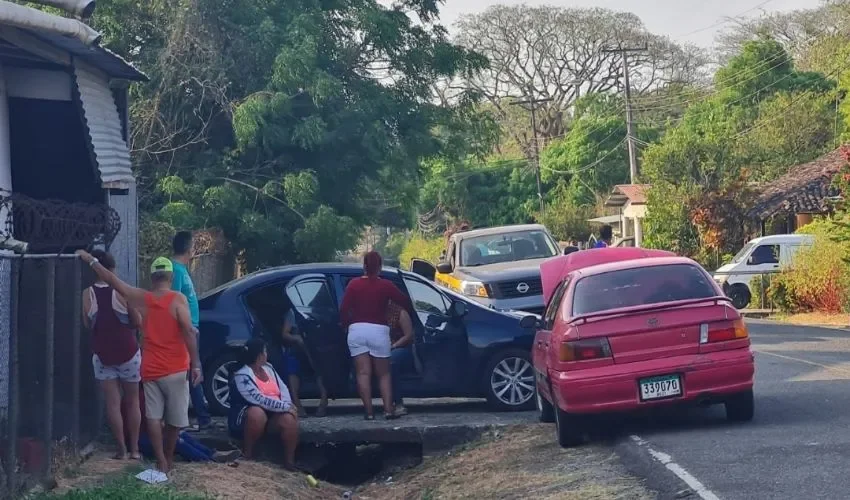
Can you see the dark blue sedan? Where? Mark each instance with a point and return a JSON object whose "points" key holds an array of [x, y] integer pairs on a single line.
{"points": [[462, 349]]}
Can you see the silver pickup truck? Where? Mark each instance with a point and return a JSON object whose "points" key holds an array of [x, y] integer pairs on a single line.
{"points": [[497, 266]]}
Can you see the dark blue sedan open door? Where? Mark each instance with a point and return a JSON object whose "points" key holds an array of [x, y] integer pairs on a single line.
{"points": [[317, 315], [442, 345]]}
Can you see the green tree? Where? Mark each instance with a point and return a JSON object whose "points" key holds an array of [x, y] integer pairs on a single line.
{"points": [[289, 124], [592, 157]]}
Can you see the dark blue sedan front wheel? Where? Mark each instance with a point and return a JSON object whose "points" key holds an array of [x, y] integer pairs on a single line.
{"points": [[510, 381]]}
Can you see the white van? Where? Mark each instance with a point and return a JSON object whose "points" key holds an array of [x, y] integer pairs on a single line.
{"points": [[760, 256]]}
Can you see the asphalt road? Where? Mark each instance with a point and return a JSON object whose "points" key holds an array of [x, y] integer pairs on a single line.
{"points": [[798, 445]]}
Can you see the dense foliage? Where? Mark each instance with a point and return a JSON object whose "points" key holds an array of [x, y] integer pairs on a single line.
{"points": [[293, 124], [287, 123]]}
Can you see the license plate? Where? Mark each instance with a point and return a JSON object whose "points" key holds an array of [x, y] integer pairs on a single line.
{"points": [[665, 386]]}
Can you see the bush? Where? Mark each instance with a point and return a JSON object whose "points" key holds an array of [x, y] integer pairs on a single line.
{"points": [[760, 286], [419, 247], [818, 279], [391, 247]]}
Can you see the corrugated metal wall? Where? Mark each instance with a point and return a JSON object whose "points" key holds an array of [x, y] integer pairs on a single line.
{"points": [[125, 247], [104, 127]]}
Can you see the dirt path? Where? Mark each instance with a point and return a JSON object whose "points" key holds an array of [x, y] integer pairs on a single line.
{"points": [[521, 462]]}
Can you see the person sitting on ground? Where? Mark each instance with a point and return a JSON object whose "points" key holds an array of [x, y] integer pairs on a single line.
{"points": [[260, 403], [116, 357], [606, 236], [401, 356], [170, 350], [293, 345]]}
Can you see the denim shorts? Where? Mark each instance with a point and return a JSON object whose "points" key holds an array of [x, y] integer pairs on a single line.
{"points": [[291, 364]]}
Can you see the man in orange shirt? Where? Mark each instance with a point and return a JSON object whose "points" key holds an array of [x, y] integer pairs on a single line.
{"points": [[169, 349]]}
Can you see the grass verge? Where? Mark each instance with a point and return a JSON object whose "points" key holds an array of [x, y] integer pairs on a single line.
{"points": [[518, 463], [525, 462], [814, 319]]}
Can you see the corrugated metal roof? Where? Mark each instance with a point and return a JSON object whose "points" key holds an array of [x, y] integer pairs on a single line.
{"points": [[100, 57], [104, 127], [606, 219]]}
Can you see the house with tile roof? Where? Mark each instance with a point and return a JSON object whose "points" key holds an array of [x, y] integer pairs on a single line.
{"points": [[794, 199], [629, 200]]}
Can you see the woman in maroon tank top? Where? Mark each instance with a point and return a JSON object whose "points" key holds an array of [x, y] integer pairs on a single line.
{"points": [[116, 358]]}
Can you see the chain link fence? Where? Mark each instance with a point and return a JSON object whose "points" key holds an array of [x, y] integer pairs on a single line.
{"points": [[52, 406]]}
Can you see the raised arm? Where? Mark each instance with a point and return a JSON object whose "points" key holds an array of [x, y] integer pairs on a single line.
{"points": [[135, 296]]}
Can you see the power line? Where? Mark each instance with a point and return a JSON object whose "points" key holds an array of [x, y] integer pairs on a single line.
{"points": [[721, 23], [624, 51], [589, 165], [533, 102]]}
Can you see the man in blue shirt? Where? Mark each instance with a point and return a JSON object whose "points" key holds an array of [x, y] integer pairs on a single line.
{"points": [[606, 234], [182, 283]]}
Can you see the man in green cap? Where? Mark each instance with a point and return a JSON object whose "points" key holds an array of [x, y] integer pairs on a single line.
{"points": [[169, 350]]}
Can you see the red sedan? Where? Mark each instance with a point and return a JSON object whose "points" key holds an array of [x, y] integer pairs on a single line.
{"points": [[627, 329]]}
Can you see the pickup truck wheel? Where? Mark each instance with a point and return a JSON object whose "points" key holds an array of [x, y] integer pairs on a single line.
{"points": [[545, 410], [569, 428], [741, 407], [740, 296], [510, 381]]}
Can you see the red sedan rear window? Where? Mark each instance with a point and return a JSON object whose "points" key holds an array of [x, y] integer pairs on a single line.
{"points": [[640, 286]]}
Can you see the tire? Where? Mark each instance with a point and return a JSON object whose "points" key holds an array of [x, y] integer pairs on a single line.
{"points": [[569, 429], [545, 410], [740, 296], [216, 382], [741, 407], [504, 392]]}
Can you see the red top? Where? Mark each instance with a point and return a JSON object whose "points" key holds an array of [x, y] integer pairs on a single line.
{"points": [[163, 349], [112, 341], [367, 300]]}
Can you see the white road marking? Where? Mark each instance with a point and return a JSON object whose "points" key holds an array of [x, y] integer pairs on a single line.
{"points": [[667, 461]]}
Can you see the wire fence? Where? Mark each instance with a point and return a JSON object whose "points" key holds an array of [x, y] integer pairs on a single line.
{"points": [[51, 406]]}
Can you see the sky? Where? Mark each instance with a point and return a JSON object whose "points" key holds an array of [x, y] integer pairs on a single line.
{"points": [[675, 18]]}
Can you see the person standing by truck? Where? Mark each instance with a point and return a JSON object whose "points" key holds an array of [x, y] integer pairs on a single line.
{"points": [[606, 236], [183, 247]]}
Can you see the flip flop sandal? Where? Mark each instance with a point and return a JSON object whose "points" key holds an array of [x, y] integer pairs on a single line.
{"points": [[369, 417]]}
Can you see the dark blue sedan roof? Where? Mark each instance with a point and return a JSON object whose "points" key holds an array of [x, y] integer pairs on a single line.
{"points": [[263, 275]]}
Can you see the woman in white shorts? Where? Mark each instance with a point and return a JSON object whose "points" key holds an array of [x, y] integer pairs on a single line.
{"points": [[116, 359], [364, 313]]}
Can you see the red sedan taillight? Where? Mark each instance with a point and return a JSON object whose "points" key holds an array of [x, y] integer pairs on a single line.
{"points": [[710, 333], [584, 350]]}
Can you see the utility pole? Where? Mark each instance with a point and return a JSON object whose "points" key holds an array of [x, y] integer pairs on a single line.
{"points": [[630, 135], [533, 104]]}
